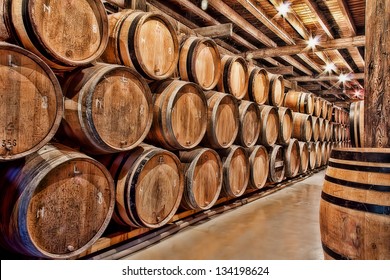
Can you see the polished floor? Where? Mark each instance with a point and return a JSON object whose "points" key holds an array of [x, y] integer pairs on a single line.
{"points": [[281, 226]]}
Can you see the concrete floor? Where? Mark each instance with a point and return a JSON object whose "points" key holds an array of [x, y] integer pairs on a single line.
{"points": [[281, 226]]}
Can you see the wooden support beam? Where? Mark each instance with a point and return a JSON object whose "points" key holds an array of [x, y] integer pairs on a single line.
{"points": [[335, 44], [123, 4], [283, 70], [377, 85], [347, 15], [352, 76], [216, 31], [312, 87]]}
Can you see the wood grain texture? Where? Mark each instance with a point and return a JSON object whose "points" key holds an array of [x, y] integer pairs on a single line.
{"points": [[179, 115], [203, 178], [356, 122], [31, 103], [354, 219], [58, 203], [259, 166], [108, 108], [200, 62], [249, 124], [65, 34]]}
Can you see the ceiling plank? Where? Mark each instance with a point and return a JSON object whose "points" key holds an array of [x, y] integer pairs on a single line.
{"points": [[283, 70], [352, 76], [216, 31]]}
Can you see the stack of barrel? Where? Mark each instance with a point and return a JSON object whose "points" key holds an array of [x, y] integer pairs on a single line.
{"points": [[111, 137]]}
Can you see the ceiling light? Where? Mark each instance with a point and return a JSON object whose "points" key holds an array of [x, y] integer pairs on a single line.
{"points": [[313, 42], [329, 67], [204, 4], [284, 8], [344, 78]]}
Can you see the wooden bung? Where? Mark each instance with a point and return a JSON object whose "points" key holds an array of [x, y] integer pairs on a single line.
{"points": [[31, 103], [65, 34], [55, 204], [108, 108]]}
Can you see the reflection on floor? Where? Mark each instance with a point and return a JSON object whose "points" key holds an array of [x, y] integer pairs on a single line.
{"points": [[281, 226]]}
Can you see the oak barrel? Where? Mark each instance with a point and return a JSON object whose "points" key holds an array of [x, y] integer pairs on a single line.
{"points": [[355, 205], [5, 25], [236, 171], [108, 108], [234, 76], [258, 85], [65, 34], [259, 166], [312, 155], [249, 124], [200, 62], [222, 120], [315, 128], [330, 111], [149, 186], [356, 122], [322, 129], [328, 130], [269, 121], [299, 101], [276, 90], [179, 115], [324, 108], [317, 148], [285, 124], [31, 102], [302, 127], [203, 178], [292, 158], [317, 107], [276, 164], [304, 157], [146, 41], [55, 204]]}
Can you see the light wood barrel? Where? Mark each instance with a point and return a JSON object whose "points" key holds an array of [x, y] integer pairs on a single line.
{"points": [[285, 125], [356, 122], [258, 85], [259, 166], [324, 108], [249, 125], [179, 115], [203, 178], [317, 107], [234, 76], [324, 154], [236, 171], [269, 119], [222, 120], [318, 147], [304, 157], [55, 204], [312, 155], [302, 127], [145, 41], [322, 129], [355, 205], [292, 158], [5, 25], [108, 108], [328, 130], [330, 111], [315, 129], [298, 101], [276, 164], [65, 34], [200, 62], [31, 102], [276, 90], [149, 186]]}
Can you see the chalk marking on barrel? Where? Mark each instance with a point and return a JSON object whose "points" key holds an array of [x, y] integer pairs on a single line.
{"points": [[46, 8], [41, 212], [100, 197], [44, 103]]}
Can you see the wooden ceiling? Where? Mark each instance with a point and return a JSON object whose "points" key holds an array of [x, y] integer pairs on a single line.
{"points": [[263, 34]]}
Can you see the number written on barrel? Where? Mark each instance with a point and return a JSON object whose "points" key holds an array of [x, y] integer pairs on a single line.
{"points": [[8, 143]]}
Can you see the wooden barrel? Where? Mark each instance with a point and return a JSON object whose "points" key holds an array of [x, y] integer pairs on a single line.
{"points": [[324, 154], [149, 186], [356, 122], [302, 127], [317, 147], [31, 102], [276, 90], [324, 108], [222, 110], [315, 129], [336, 132], [108, 108], [258, 85], [276, 164], [236, 171], [355, 205], [330, 111], [259, 166], [312, 155], [55, 204], [203, 178], [269, 121], [200, 62], [5, 25], [65, 34], [322, 129], [328, 130], [234, 76], [249, 125], [145, 41], [179, 115], [317, 107], [292, 158], [304, 157], [299, 101], [285, 125]]}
